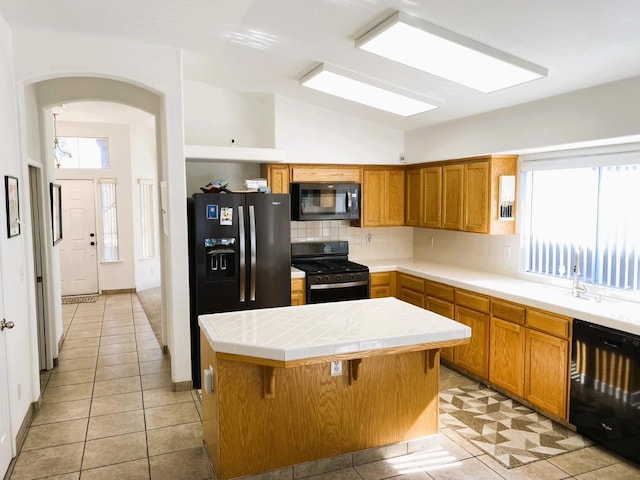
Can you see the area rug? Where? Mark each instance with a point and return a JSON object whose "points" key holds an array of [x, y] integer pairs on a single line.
{"points": [[151, 301], [79, 299], [510, 432]]}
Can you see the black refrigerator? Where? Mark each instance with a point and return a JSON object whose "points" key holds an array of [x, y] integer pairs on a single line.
{"points": [[239, 256]]}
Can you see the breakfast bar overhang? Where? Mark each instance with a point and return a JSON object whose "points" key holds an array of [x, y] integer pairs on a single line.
{"points": [[272, 397]]}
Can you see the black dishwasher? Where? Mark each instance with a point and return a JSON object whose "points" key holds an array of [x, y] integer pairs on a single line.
{"points": [[605, 387]]}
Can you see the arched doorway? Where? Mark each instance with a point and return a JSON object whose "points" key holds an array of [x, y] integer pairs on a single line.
{"points": [[93, 106]]}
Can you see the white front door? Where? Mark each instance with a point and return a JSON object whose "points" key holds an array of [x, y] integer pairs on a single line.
{"points": [[78, 260], [6, 442]]}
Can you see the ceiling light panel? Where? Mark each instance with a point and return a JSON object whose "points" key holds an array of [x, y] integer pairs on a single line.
{"points": [[419, 44], [335, 82]]}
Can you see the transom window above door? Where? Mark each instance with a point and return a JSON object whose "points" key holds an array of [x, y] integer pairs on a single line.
{"points": [[85, 152]]}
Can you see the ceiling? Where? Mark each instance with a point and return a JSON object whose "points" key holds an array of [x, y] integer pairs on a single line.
{"points": [[265, 46]]}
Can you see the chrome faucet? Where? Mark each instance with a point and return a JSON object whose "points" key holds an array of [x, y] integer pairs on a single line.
{"points": [[577, 289]]}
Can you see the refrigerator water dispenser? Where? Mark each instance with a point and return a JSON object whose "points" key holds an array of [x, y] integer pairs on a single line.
{"points": [[220, 257]]}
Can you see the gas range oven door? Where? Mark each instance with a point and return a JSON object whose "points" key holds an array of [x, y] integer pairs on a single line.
{"points": [[356, 289]]}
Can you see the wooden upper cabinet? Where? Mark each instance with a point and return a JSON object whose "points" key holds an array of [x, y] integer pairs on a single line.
{"points": [[476, 197], [383, 191], [394, 198], [459, 194], [424, 197], [373, 190], [277, 176], [452, 196], [414, 197], [432, 178], [326, 173]]}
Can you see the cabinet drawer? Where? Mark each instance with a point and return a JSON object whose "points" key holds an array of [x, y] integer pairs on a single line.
{"points": [[472, 301], [439, 290], [409, 282], [548, 322], [440, 307], [508, 311], [411, 297], [381, 278]]}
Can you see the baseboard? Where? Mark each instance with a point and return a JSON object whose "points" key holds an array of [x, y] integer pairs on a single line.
{"points": [[182, 386], [26, 423], [117, 291]]}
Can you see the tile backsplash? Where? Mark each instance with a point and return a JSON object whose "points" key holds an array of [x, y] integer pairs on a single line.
{"points": [[490, 253], [364, 243]]}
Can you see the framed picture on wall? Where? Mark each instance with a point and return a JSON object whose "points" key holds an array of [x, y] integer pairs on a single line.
{"points": [[13, 206], [55, 191]]}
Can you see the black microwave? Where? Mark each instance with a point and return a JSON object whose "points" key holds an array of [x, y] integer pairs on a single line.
{"points": [[325, 201]]}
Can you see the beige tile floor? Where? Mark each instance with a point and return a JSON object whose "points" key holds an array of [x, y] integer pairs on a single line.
{"points": [[108, 413]]}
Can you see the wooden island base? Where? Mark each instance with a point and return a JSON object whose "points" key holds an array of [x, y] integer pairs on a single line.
{"points": [[263, 416]]}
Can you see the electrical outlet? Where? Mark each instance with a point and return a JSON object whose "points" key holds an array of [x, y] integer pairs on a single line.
{"points": [[336, 368], [507, 252]]}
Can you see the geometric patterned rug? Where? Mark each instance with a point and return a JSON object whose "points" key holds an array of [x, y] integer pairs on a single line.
{"points": [[79, 299], [507, 430]]}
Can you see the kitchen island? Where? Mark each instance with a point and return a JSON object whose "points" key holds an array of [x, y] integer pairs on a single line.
{"points": [[278, 400]]}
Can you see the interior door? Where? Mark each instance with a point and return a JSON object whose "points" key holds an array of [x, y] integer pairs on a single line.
{"points": [[78, 259], [6, 442], [38, 248]]}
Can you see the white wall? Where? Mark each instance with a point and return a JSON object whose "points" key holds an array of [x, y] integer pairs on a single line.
{"points": [[18, 302], [158, 70], [200, 174], [309, 134], [606, 111], [144, 165], [214, 116]]}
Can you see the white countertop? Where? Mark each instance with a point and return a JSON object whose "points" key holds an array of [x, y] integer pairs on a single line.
{"points": [[317, 330], [612, 313]]}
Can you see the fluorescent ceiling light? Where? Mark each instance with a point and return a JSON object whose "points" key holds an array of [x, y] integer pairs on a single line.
{"points": [[417, 43], [330, 80]]}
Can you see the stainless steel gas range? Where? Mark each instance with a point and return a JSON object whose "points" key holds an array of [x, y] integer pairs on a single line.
{"points": [[330, 276]]}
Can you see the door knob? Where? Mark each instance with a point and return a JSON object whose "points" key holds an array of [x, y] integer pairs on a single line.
{"points": [[6, 324], [92, 243], [92, 235]]}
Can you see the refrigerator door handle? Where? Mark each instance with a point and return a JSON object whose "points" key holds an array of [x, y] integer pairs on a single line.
{"points": [[243, 266], [252, 268]]}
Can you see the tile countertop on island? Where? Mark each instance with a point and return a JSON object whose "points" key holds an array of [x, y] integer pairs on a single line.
{"points": [[325, 329], [612, 313]]}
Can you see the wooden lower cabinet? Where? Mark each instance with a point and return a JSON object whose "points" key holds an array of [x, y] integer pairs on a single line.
{"points": [[439, 299], [298, 291], [446, 309], [411, 289], [474, 356], [382, 284], [506, 355], [546, 372], [308, 414]]}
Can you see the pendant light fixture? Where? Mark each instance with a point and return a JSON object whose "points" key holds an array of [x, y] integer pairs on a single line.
{"points": [[58, 152]]}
